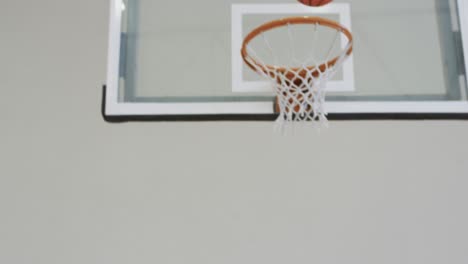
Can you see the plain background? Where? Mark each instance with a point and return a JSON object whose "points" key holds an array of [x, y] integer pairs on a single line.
{"points": [[74, 189]]}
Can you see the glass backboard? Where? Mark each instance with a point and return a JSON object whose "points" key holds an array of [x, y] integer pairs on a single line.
{"points": [[181, 59]]}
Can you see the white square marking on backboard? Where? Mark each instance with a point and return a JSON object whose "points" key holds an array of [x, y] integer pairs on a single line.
{"points": [[238, 12]]}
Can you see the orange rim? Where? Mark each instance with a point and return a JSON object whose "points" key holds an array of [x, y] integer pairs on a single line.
{"points": [[293, 21]]}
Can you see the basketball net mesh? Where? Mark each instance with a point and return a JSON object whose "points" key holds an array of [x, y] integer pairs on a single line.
{"points": [[301, 90]]}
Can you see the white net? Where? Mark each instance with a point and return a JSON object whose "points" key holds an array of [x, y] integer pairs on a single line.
{"points": [[300, 89]]}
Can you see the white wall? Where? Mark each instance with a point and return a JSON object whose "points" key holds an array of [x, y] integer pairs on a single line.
{"points": [[74, 189]]}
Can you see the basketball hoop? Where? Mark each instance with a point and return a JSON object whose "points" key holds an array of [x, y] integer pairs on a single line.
{"points": [[300, 90]]}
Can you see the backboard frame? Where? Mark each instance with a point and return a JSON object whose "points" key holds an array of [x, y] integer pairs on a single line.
{"points": [[115, 111]]}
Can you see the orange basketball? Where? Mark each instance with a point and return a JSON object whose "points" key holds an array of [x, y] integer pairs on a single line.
{"points": [[315, 2]]}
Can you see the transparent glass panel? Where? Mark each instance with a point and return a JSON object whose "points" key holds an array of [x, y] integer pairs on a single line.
{"points": [[181, 51]]}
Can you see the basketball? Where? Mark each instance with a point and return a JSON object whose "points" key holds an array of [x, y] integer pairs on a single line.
{"points": [[315, 2]]}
